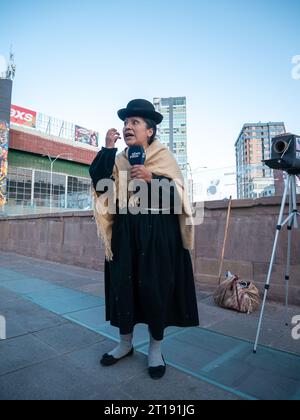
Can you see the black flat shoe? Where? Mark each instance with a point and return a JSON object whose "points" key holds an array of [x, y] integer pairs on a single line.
{"points": [[158, 372], [108, 360]]}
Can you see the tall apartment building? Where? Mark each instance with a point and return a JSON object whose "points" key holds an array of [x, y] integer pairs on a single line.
{"points": [[254, 179], [173, 130]]}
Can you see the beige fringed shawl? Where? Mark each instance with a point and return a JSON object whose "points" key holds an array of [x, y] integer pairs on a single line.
{"points": [[161, 162]]}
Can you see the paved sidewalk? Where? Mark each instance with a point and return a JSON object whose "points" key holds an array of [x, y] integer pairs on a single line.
{"points": [[56, 334]]}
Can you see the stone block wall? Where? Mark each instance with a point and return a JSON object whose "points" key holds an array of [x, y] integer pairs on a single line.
{"points": [[71, 238]]}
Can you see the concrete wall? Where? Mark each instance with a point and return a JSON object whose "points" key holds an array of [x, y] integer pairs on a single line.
{"points": [[71, 238]]}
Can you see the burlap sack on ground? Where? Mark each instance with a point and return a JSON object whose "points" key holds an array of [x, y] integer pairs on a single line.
{"points": [[238, 295]]}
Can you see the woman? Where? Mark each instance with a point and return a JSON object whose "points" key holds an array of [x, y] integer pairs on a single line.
{"points": [[148, 270]]}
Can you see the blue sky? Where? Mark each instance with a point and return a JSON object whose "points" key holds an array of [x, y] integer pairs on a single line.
{"points": [[83, 60]]}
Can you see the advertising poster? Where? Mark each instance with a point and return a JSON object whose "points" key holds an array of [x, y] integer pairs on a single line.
{"points": [[23, 116], [85, 136]]}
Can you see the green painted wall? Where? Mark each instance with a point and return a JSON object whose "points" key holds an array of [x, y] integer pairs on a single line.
{"points": [[28, 160]]}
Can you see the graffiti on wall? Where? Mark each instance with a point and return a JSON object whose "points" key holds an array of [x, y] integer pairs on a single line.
{"points": [[4, 137]]}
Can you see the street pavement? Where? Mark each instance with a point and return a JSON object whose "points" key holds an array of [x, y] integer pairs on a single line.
{"points": [[56, 334]]}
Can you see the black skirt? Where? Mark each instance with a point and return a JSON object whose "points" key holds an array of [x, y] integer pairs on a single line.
{"points": [[150, 280]]}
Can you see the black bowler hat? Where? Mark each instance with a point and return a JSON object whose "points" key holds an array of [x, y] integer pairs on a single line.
{"points": [[140, 108]]}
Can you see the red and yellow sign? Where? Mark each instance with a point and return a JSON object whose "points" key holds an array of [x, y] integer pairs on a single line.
{"points": [[23, 116]]}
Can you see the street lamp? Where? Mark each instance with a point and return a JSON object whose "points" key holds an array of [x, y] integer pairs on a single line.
{"points": [[199, 168], [191, 172], [52, 161]]}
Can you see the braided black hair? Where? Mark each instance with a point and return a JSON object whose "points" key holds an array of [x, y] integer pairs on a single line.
{"points": [[151, 125]]}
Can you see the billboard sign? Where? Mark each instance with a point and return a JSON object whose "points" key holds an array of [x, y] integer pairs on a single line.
{"points": [[82, 135], [23, 116]]}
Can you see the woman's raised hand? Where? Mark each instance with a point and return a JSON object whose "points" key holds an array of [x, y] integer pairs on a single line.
{"points": [[111, 138]]}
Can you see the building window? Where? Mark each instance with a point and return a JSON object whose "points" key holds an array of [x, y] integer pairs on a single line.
{"points": [[79, 193], [19, 183], [21, 192]]}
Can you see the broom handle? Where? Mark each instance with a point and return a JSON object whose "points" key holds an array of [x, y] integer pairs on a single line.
{"points": [[225, 239]]}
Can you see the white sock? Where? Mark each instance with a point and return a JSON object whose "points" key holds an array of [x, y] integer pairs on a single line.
{"points": [[124, 347], [155, 355]]}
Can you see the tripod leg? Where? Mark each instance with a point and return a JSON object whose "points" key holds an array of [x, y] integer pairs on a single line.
{"points": [[267, 286], [289, 252], [294, 194]]}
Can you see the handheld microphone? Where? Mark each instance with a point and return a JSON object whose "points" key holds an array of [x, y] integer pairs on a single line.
{"points": [[136, 155]]}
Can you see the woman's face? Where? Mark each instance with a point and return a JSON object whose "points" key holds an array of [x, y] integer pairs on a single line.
{"points": [[136, 132]]}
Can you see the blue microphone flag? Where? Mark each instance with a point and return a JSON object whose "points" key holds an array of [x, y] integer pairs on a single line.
{"points": [[136, 155]]}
